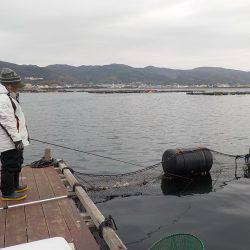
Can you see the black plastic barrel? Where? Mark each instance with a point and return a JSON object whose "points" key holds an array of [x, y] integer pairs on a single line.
{"points": [[186, 162]]}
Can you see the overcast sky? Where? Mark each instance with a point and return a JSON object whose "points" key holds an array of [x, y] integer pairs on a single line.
{"points": [[169, 33]]}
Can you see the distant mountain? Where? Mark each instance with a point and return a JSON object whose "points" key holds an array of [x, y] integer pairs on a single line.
{"points": [[119, 73], [31, 70]]}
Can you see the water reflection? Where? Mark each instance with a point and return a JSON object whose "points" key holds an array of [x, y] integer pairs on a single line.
{"points": [[180, 187]]}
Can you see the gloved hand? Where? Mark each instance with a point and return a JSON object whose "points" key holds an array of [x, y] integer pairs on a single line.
{"points": [[19, 145]]}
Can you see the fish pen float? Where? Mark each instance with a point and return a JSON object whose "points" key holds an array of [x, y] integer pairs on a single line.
{"points": [[187, 162]]}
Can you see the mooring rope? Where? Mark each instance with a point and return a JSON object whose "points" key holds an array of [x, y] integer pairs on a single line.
{"points": [[225, 154]]}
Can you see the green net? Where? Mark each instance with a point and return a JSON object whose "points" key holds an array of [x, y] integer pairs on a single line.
{"points": [[178, 242]]}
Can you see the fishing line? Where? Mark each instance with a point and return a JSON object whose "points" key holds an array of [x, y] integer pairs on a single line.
{"points": [[87, 152]]}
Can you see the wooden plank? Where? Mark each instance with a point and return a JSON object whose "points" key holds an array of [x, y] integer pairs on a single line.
{"points": [[15, 231], [53, 216], [2, 223], [15, 225], [109, 235], [83, 239], [35, 219]]}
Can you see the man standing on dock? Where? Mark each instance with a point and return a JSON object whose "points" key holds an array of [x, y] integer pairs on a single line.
{"points": [[13, 136]]}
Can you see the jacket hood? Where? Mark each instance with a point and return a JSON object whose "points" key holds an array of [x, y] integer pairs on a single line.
{"points": [[3, 90]]}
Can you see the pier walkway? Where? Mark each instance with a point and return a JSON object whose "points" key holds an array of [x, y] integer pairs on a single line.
{"points": [[41, 221]]}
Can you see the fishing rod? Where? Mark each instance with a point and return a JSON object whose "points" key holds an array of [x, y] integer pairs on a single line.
{"points": [[36, 202]]}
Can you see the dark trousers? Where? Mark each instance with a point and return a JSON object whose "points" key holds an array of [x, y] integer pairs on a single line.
{"points": [[12, 161]]}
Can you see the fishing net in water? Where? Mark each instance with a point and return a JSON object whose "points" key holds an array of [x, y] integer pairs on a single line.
{"points": [[179, 242], [106, 187], [152, 180]]}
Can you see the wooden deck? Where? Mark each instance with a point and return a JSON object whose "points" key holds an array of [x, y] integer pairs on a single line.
{"points": [[40, 221]]}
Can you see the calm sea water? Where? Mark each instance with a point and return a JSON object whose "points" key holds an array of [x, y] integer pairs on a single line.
{"points": [[139, 128]]}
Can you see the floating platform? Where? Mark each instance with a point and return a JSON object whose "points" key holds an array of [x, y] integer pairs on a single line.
{"points": [[41, 221], [215, 93], [137, 90], [53, 218]]}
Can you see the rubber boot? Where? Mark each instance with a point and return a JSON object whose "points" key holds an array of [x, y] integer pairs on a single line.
{"points": [[19, 188], [14, 197]]}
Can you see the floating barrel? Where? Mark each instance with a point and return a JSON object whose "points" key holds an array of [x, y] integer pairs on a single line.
{"points": [[186, 162]]}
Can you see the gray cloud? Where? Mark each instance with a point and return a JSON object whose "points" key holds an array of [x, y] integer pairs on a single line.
{"points": [[177, 34]]}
